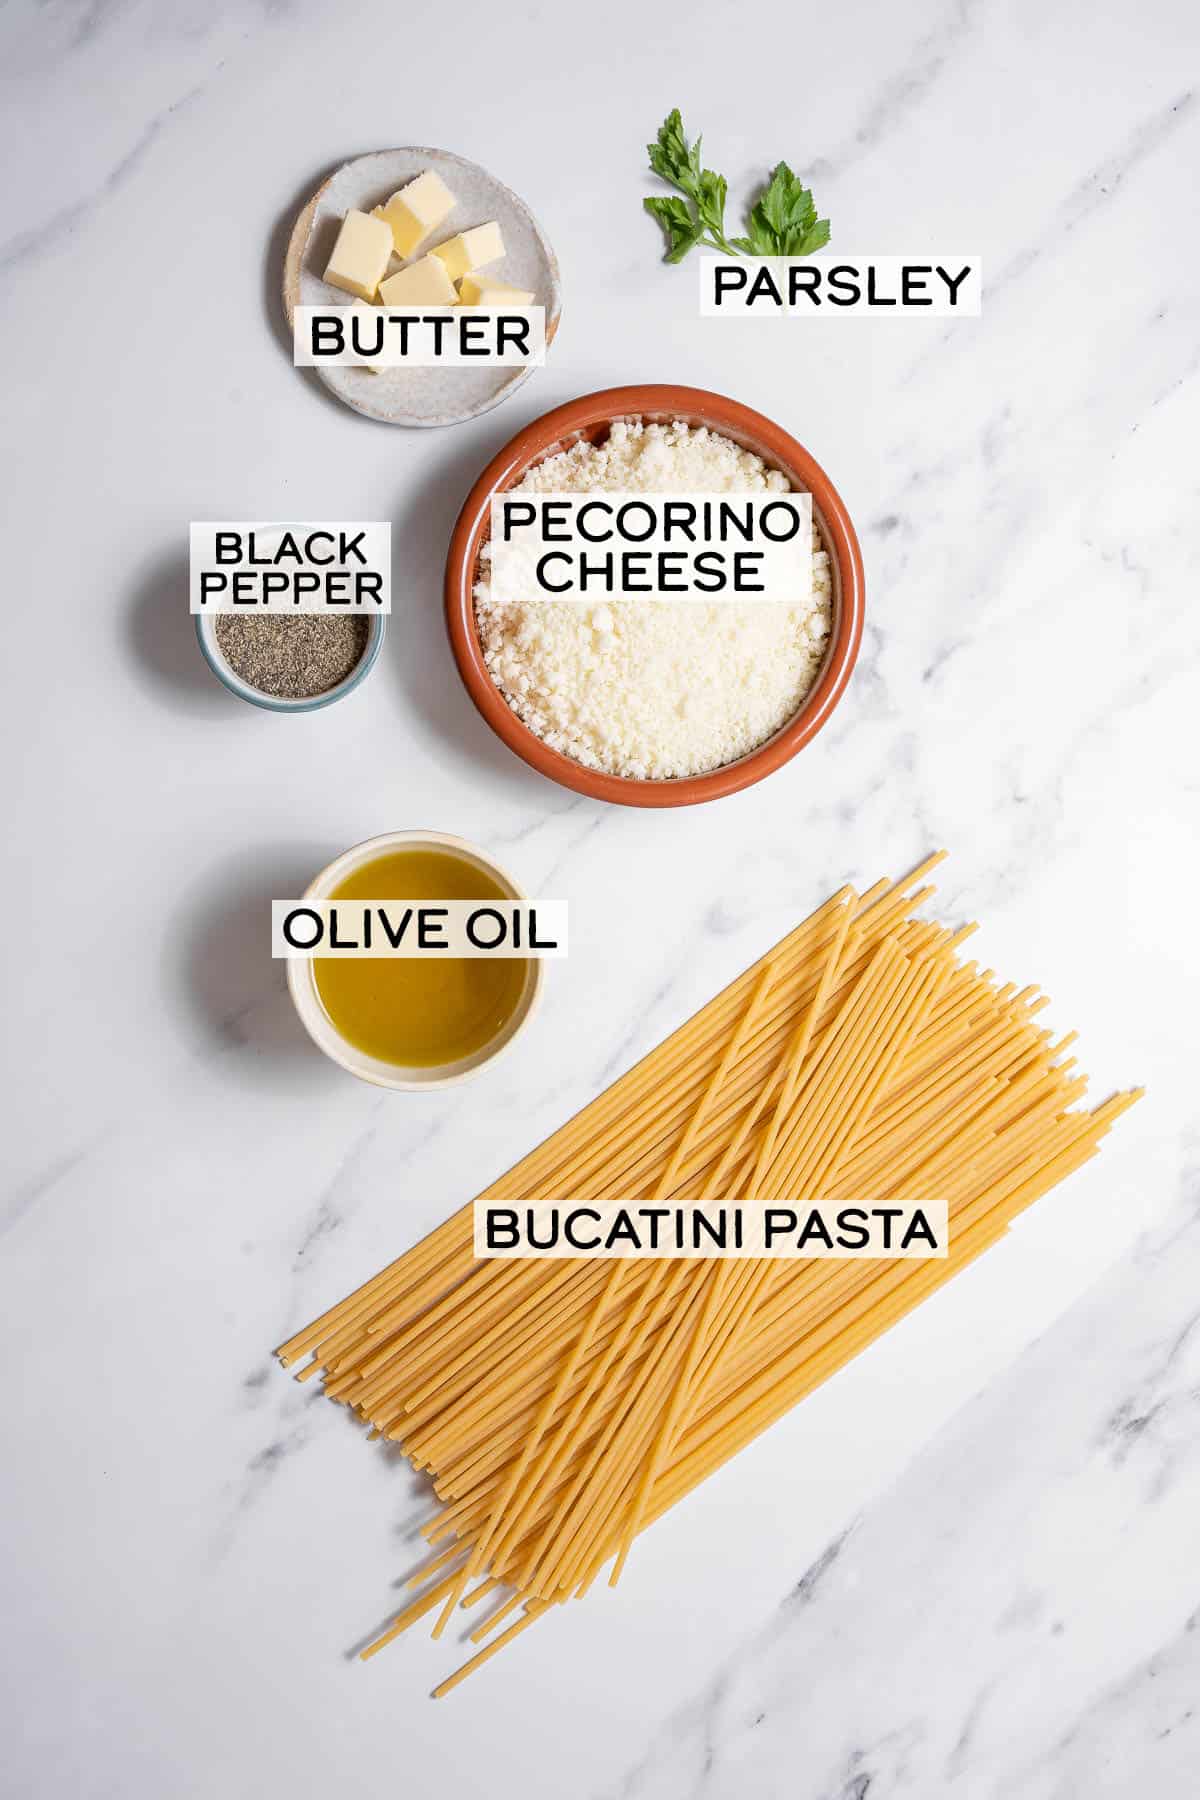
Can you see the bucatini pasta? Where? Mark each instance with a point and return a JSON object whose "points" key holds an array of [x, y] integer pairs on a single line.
{"points": [[560, 1407]]}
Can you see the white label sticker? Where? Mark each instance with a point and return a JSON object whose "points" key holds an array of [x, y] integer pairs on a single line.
{"points": [[362, 336], [832, 287], [410, 928], [290, 568], [631, 546], [708, 1229]]}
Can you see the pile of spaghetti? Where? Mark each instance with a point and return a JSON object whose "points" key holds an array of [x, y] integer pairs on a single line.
{"points": [[563, 1406]]}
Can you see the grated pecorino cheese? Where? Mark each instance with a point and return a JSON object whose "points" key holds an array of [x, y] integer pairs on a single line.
{"points": [[655, 688]]}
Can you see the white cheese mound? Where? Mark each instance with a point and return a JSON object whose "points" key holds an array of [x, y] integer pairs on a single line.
{"points": [[655, 688]]}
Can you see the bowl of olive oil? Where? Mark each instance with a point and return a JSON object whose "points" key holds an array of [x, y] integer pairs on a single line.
{"points": [[414, 1023]]}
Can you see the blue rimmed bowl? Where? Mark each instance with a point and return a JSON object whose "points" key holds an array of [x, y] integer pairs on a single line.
{"points": [[225, 673]]}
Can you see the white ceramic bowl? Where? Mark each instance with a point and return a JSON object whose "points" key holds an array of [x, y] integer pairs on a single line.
{"points": [[223, 669], [321, 1029], [406, 395]]}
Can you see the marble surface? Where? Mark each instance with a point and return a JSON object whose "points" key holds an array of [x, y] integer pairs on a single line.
{"points": [[968, 1567]]}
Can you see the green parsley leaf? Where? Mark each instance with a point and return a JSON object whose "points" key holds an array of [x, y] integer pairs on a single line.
{"points": [[675, 217], [783, 220], [678, 163], [710, 200], [670, 157]]}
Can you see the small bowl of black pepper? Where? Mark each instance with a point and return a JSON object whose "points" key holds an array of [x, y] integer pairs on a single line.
{"points": [[290, 662]]}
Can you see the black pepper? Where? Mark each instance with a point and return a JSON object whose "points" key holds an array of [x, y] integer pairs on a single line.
{"points": [[291, 658]]}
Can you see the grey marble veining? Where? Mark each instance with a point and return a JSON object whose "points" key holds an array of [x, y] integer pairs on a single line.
{"points": [[967, 1566], [1027, 1546]]}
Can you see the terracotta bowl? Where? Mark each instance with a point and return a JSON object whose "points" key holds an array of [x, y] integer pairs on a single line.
{"points": [[590, 417]]}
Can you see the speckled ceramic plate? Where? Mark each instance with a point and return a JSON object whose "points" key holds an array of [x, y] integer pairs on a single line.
{"points": [[420, 396]]}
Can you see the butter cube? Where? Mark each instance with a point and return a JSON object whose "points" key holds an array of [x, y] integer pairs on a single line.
{"points": [[416, 210], [360, 255], [486, 290], [423, 283], [470, 250]]}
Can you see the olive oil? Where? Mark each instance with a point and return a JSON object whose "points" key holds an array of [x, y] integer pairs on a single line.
{"points": [[424, 1011]]}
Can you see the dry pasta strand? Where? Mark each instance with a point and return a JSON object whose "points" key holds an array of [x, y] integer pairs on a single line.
{"points": [[562, 1407]]}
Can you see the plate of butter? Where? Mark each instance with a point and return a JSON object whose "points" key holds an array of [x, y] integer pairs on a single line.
{"points": [[425, 228]]}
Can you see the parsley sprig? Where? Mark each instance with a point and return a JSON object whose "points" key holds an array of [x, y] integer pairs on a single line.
{"points": [[699, 218], [782, 222]]}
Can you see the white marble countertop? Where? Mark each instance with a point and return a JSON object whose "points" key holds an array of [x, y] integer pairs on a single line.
{"points": [[968, 1567]]}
